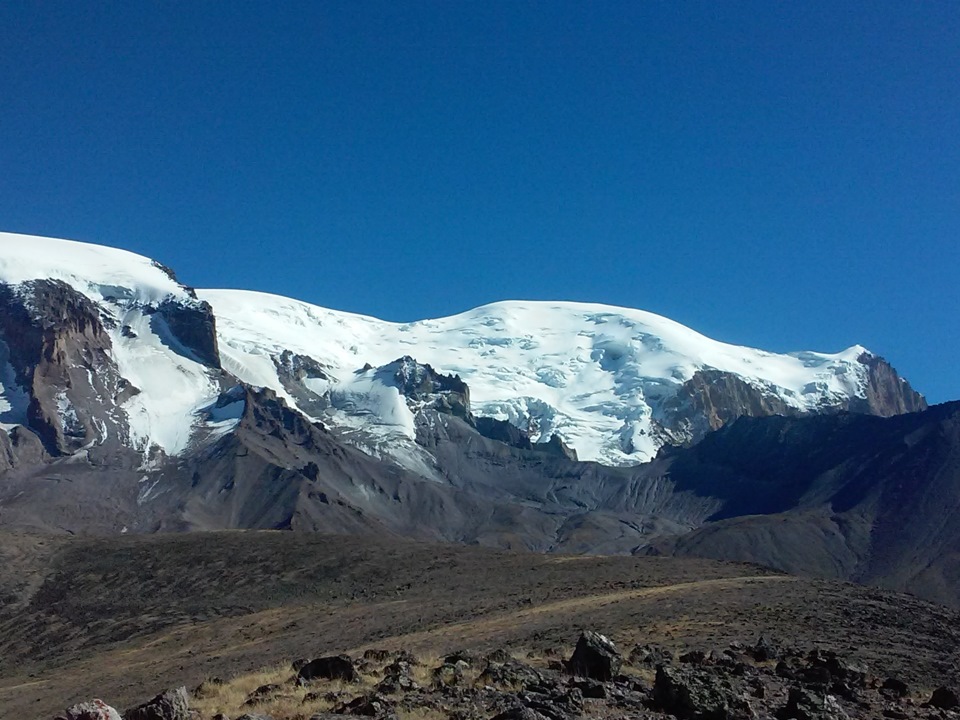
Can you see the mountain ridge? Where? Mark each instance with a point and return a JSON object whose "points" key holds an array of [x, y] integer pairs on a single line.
{"points": [[614, 384]]}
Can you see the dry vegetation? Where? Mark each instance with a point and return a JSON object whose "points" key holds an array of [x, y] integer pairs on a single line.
{"points": [[124, 618]]}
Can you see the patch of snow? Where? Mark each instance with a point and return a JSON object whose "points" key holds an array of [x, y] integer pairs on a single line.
{"points": [[173, 388], [596, 375]]}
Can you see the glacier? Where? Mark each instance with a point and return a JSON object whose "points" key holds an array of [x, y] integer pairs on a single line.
{"points": [[598, 376]]}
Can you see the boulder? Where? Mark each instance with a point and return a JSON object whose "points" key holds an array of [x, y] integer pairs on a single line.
{"points": [[944, 698], [595, 657], [334, 667], [170, 705], [802, 704], [694, 695], [765, 650], [93, 710]]}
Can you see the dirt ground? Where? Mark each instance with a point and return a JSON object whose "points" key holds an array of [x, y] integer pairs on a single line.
{"points": [[123, 618]]}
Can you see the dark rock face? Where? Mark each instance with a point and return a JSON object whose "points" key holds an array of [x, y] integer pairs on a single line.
{"points": [[193, 325], [503, 431], [170, 705], [711, 399], [60, 352], [336, 667], [595, 657], [293, 370], [557, 447], [887, 393], [421, 383]]}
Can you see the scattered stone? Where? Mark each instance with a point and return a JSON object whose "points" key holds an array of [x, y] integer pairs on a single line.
{"points": [[463, 656], [693, 657], [448, 675], [521, 712], [595, 657], [262, 693], [375, 655], [589, 688], [498, 656], [895, 686], [170, 705], [367, 705], [650, 656], [334, 667], [513, 675]]}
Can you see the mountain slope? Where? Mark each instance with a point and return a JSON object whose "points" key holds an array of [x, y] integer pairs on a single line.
{"points": [[132, 403], [614, 384]]}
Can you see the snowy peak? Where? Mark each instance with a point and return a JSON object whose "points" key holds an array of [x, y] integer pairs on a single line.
{"points": [[614, 384]]}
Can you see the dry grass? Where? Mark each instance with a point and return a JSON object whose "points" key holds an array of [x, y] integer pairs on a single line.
{"points": [[287, 703]]}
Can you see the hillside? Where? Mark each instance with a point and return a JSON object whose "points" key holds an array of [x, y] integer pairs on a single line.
{"points": [[124, 618]]}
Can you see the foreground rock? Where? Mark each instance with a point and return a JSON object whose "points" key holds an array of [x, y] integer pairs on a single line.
{"points": [[595, 657], [741, 682], [93, 710], [170, 705]]}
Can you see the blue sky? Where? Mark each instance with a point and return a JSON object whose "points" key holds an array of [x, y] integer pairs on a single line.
{"points": [[783, 175]]}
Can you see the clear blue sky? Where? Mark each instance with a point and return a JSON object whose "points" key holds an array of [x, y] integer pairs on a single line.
{"points": [[784, 175]]}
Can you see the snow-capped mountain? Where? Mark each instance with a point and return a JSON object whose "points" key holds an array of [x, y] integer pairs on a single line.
{"points": [[614, 384], [132, 403]]}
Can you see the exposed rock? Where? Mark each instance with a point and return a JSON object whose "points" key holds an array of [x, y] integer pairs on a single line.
{"points": [[193, 326], [448, 674], [423, 385], [262, 693], [764, 650], [945, 698], [61, 355], [887, 393], [802, 704], [503, 431], [693, 695], [595, 657], [93, 710], [557, 447], [650, 655], [367, 705], [511, 674], [895, 686], [170, 705], [334, 667]]}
